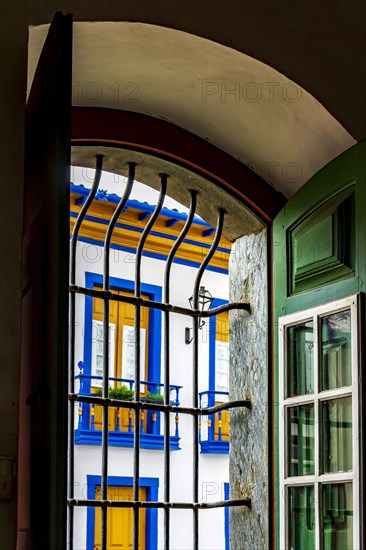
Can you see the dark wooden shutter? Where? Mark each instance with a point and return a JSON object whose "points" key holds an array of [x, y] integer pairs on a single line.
{"points": [[45, 252]]}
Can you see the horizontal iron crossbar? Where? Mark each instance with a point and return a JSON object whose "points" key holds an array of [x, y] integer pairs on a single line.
{"points": [[171, 505], [109, 295], [139, 405]]}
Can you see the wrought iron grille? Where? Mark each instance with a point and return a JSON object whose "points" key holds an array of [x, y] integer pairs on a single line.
{"points": [[137, 405]]}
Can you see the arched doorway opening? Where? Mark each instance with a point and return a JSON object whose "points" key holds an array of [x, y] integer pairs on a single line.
{"points": [[238, 222]]}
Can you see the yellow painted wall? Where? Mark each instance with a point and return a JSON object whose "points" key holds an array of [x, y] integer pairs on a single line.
{"points": [[155, 244]]}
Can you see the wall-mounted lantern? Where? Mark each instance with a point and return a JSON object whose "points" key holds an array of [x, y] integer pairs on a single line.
{"points": [[204, 302]]}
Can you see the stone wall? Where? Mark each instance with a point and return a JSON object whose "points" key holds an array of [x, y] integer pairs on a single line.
{"points": [[248, 380]]}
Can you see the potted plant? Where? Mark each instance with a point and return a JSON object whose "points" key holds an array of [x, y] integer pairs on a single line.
{"points": [[123, 393], [126, 394], [153, 398]]}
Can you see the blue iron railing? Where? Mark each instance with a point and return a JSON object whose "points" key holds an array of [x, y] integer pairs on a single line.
{"points": [[121, 419], [213, 430]]}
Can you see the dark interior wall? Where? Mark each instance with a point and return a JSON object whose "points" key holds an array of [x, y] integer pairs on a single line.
{"points": [[319, 45], [13, 63]]}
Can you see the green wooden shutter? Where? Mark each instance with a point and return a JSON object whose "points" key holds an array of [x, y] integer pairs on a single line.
{"points": [[319, 240]]}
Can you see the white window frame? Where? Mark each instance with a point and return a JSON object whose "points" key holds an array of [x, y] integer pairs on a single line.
{"points": [[218, 362], [97, 328], [315, 314]]}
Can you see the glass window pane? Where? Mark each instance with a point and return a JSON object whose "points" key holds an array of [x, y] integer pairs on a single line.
{"points": [[336, 351], [337, 435], [300, 440], [337, 516], [301, 518], [300, 359]]}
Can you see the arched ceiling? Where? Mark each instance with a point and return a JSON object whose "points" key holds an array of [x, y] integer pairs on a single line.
{"points": [[236, 102]]}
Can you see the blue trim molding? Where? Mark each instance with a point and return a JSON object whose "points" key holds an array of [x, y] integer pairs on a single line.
{"points": [[125, 439], [152, 488], [212, 446]]}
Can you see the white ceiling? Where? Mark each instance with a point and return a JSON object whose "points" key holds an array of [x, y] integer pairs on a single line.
{"points": [[269, 123]]}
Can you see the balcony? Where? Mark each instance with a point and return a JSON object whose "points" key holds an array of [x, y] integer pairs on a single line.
{"points": [[214, 428], [121, 420]]}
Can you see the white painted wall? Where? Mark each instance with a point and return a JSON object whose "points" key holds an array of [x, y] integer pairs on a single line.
{"points": [[213, 468]]}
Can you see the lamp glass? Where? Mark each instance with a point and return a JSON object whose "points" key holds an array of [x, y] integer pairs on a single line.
{"points": [[204, 299]]}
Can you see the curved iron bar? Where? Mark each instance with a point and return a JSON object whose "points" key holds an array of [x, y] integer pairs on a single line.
{"points": [[166, 299], [82, 214], [136, 454], [71, 380], [114, 219], [211, 252], [178, 242], [146, 231], [105, 385]]}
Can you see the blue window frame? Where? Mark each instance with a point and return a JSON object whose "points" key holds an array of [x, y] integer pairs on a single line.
{"points": [[153, 440], [151, 484], [212, 445]]}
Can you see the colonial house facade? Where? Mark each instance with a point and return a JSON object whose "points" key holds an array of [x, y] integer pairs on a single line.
{"points": [[213, 388]]}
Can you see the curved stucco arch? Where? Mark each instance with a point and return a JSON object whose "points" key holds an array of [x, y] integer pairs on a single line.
{"points": [[241, 105]]}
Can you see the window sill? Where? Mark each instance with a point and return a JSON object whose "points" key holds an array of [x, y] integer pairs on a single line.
{"points": [[215, 447], [124, 439]]}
